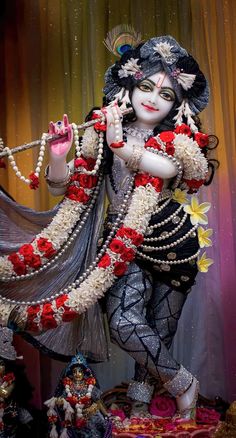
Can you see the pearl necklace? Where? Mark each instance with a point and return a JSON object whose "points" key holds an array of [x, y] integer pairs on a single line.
{"points": [[141, 133], [38, 165]]}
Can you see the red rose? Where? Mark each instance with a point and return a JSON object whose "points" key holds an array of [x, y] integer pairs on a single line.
{"points": [[157, 183], [35, 261], [14, 258], [183, 129], [67, 381], [84, 400], [163, 406], [152, 143], [80, 162], [18, 266], [72, 400], [43, 244], [68, 314], [105, 261], [95, 115], [128, 255], [167, 136], [120, 268], [74, 177], [26, 250], [60, 301], [201, 139], [207, 416], [87, 181], [141, 179], [170, 149], [48, 322], [194, 183], [33, 311], [34, 181], [49, 253], [90, 163], [77, 194], [136, 238], [91, 381], [100, 126], [117, 246]]}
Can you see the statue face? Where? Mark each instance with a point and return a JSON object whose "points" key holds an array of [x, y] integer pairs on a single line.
{"points": [[77, 373], [153, 98]]}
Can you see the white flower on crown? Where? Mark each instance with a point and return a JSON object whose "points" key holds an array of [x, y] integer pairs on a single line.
{"points": [[130, 68], [164, 49]]}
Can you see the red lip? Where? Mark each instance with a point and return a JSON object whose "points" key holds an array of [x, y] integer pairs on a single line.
{"points": [[150, 108]]}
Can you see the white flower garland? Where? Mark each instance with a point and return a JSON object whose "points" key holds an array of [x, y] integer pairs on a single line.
{"points": [[188, 152]]}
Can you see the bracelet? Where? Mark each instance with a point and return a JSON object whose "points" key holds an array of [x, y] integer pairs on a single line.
{"points": [[117, 145], [135, 158], [57, 184]]}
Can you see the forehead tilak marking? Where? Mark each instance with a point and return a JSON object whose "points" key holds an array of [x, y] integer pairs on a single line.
{"points": [[160, 80]]}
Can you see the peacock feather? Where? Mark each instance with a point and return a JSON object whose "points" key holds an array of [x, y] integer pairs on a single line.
{"points": [[122, 38]]}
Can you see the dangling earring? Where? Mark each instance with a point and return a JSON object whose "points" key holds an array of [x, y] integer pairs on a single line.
{"points": [[184, 110]]}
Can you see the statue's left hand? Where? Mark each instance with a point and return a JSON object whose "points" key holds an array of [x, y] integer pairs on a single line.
{"points": [[59, 148]]}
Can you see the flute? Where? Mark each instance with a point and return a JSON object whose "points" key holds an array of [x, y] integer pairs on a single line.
{"points": [[34, 143]]}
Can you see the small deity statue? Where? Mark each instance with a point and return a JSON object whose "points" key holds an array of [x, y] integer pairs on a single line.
{"points": [[76, 409]]}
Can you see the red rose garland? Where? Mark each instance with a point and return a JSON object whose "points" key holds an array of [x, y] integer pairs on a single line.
{"points": [[31, 256]]}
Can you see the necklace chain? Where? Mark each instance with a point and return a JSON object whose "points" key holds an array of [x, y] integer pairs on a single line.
{"points": [[141, 133]]}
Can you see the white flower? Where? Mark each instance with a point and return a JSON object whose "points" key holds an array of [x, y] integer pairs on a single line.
{"points": [[164, 49], [5, 267], [130, 68], [89, 143], [189, 154]]}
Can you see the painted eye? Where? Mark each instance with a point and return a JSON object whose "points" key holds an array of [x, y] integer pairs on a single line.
{"points": [[145, 86], [168, 95]]}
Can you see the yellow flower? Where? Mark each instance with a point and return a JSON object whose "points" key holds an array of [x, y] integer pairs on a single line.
{"points": [[203, 236], [180, 196], [203, 263], [197, 211]]}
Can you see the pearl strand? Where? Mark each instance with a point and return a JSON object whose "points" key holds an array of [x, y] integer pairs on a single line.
{"points": [[159, 209], [117, 123], [165, 221], [170, 245], [39, 161], [169, 262], [90, 268], [175, 162], [167, 234], [76, 140], [78, 148]]}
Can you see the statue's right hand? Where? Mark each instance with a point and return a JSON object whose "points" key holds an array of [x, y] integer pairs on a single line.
{"points": [[59, 148]]}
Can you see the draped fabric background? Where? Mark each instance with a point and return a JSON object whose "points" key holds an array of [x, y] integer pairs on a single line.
{"points": [[53, 62]]}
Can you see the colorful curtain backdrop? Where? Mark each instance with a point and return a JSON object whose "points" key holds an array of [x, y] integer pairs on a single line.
{"points": [[53, 62]]}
